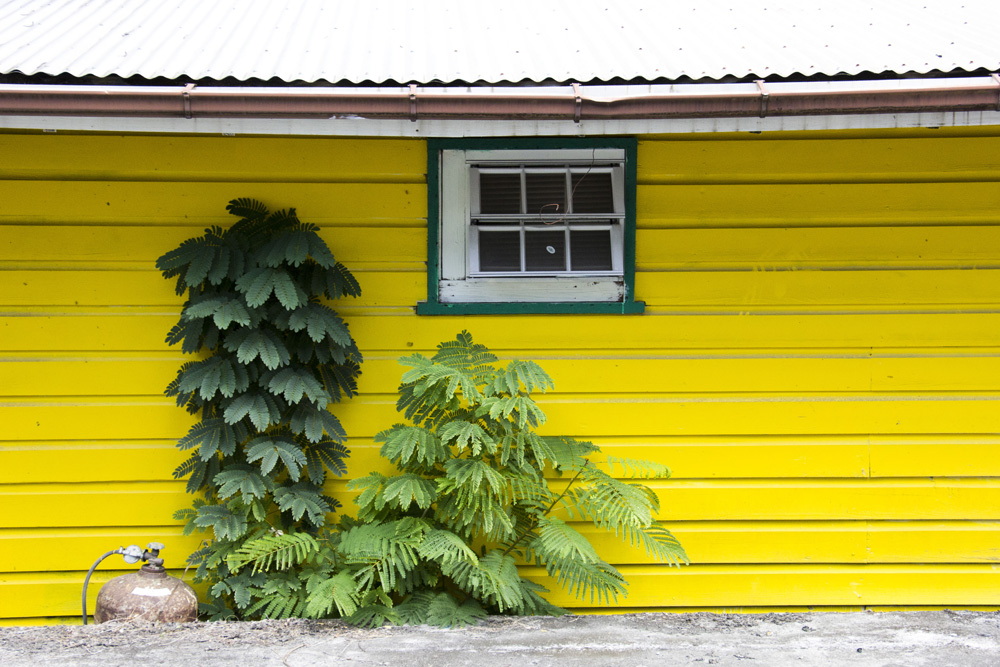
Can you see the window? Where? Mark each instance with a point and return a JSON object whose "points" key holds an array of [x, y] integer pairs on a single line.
{"points": [[531, 226]]}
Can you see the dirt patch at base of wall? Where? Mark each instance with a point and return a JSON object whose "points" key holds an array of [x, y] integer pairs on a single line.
{"points": [[911, 639]]}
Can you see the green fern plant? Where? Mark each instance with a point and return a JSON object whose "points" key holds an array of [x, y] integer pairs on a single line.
{"points": [[440, 541], [272, 357]]}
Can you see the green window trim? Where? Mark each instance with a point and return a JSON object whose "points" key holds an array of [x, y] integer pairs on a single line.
{"points": [[433, 305]]}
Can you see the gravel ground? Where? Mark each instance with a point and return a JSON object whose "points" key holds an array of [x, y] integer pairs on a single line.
{"points": [[910, 639]]}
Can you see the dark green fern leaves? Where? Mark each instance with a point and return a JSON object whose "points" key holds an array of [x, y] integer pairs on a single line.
{"points": [[274, 355]]}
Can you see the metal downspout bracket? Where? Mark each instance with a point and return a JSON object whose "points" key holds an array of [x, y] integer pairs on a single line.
{"points": [[578, 103], [186, 96], [413, 103], [996, 77], [764, 95]]}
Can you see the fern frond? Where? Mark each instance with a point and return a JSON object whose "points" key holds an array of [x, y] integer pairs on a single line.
{"points": [[385, 552], [638, 469], [273, 552], [446, 548], [471, 358], [559, 541], [405, 445], [340, 591], [415, 608], [246, 208], [444, 611], [521, 373], [374, 611], [602, 581]]}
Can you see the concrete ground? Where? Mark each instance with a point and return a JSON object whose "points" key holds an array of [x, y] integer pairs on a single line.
{"points": [[906, 639]]}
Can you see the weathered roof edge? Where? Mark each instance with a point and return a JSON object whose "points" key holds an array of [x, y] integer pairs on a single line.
{"points": [[575, 102]]}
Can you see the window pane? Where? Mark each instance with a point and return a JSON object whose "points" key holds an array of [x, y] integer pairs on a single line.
{"points": [[593, 193], [545, 251], [499, 251], [546, 193], [590, 251], [500, 193]]}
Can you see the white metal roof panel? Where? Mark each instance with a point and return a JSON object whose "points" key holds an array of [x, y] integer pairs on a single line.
{"points": [[513, 41]]}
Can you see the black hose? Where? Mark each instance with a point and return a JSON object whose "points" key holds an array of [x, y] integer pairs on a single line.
{"points": [[87, 580]]}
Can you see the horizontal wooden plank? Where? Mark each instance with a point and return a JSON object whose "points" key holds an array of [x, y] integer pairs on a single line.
{"points": [[708, 542], [656, 249], [76, 549], [60, 246], [148, 288], [818, 542], [825, 247], [690, 458], [124, 374], [130, 203], [775, 585], [68, 329], [577, 416], [945, 499], [58, 594], [761, 158], [203, 158], [729, 457], [889, 289], [904, 457], [807, 205]]}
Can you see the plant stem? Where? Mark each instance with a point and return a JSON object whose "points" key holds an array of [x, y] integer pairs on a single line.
{"points": [[586, 462]]}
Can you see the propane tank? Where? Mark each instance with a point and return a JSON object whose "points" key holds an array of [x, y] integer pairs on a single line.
{"points": [[147, 595]]}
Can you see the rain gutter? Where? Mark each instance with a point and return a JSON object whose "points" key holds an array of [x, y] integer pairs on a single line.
{"points": [[575, 102]]}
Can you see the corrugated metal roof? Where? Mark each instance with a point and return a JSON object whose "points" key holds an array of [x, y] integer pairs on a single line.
{"points": [[512, 41]]}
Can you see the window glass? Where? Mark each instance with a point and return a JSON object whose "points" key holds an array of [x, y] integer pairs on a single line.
{"points": [[500, 193], [545, 250]]}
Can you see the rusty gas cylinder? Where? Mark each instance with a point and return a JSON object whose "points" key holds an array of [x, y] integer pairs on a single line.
{"points": [[147, 595]]}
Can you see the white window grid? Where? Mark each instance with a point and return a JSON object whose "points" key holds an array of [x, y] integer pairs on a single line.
{"points": [[566, 221]]}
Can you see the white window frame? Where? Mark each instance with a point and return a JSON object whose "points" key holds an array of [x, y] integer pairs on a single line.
{"points": [[461, 281]]}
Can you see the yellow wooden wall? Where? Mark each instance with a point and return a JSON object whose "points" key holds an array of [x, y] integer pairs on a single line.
{"points": [[819, 360]]}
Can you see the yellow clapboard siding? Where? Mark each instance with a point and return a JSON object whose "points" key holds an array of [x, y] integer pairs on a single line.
{"points": [[126, 202], [120, 419], [153, 503], [689, 458], [58, 594], [933, 541], [781, 205], [76, 549], [120, 374], [655, 248], [91, 504], [66, 329], [770, 585], [98, 461], [101, 245], [889, 290], [149, 288], [709, 542], [929, 456], [200, 158], [808, 290], [760, 158], [817, 542], [805, 247]]}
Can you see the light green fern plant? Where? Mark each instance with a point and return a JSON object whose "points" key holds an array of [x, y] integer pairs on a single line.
{"points": [[440, 541], [273, 356]]}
